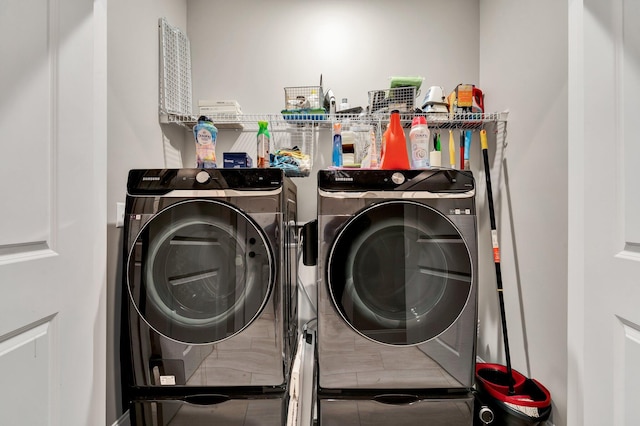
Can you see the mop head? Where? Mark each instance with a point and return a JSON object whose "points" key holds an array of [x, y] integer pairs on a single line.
{"points": [[530, 402]]}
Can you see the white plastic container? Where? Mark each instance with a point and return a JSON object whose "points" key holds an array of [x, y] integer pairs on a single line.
{"points": [[419, 137]]}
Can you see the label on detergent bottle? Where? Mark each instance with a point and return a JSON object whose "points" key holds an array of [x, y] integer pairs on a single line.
{"points": [[420, 150]]}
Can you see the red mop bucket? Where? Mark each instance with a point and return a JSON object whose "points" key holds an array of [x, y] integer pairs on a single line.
{"points": [[528, 405]]}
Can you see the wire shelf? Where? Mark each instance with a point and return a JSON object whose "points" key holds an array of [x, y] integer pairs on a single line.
{"points": [[303, 133], [175, 71], [248, 122]]}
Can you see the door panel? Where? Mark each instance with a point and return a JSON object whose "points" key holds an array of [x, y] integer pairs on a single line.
{"points": [[200, 271], [604, 225], [399, 273], [26, 85], [25, 361], [629, 99], [53, 216]]}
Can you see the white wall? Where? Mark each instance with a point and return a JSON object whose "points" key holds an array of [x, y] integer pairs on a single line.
{"points": [[523, 68], [356, 45], [135, 139]]}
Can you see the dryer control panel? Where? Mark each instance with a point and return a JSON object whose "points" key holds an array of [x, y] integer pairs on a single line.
{"points": [[439, 181]]}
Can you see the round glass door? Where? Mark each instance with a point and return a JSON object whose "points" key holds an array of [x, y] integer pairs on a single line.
{"points": [[200, 271], [399, 273]]}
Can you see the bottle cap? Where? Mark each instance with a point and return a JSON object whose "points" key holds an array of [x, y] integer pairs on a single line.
{"points": [[418, 119]]}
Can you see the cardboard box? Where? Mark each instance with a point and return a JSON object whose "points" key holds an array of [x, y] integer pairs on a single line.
{"points": [[236, 160]]}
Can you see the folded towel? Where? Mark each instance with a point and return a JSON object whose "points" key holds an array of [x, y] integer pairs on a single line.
{"points": [[406, 81]]}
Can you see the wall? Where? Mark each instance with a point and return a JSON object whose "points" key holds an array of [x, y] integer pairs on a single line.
{"points": [[135, 139], [355, 45], [523, 68]]}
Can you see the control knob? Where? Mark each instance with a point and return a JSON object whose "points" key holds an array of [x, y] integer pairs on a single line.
{"points": [[202, 177]]}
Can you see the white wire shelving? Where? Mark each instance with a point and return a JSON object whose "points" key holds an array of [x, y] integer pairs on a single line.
{"points": [[249, 121]]}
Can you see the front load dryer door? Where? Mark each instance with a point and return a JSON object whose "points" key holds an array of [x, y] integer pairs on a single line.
{"points": [[200, 271], [399, 273]]}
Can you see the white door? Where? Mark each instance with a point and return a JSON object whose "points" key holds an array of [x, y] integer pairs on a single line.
{"points": [[52, 214], [604, 213]]}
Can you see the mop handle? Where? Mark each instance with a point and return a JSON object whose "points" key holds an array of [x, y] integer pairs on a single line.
{"points": [[461, 150], [496, 255]]}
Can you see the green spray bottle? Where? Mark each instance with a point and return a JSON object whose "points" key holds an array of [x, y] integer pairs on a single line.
{"points": [[264, 140]]}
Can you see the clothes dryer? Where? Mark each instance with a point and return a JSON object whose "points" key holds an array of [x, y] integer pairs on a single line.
{"points": [[209, 279], [397, 300]]}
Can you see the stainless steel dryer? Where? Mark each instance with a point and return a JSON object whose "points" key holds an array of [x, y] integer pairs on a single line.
{"points": [[210, 275], [397, 301]]}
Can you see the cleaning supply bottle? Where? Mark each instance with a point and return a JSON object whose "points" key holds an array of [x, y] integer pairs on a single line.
{"points": [[435, 156], [395, 150], [205, 134], [264, 140], [467, 148], [336, 156], [419, 137], [370, 160], [383, 143]]}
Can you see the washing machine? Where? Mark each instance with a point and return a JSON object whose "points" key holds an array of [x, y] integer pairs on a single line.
{"points": [[210, 293], [397, 282]]}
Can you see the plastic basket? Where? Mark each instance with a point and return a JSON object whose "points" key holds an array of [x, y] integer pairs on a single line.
{"points": [[292, 147], [387, 100]]}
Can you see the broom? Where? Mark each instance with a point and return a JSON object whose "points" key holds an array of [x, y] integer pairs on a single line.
{"points": [[513, 394]]}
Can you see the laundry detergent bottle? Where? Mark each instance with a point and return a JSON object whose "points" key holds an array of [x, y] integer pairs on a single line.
{"points": [[395, 156], [419, 137], [205, 134]]}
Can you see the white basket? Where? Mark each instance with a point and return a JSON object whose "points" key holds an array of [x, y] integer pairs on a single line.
{"points": [[303, 98]]}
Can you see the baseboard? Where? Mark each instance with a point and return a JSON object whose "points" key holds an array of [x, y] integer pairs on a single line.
{"points": [[123, 420]]}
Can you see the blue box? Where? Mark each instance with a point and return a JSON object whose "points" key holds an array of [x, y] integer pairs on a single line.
{"points": [[236, 160]]}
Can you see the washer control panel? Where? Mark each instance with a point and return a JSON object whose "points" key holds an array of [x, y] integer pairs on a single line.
{"points": [[162, 181]]}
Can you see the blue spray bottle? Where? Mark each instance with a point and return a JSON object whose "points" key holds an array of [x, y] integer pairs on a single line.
{"points": [[336, 157]]}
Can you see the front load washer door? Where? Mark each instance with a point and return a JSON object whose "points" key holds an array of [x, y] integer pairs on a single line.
{"points": [[399, 273], [200, 271]]}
